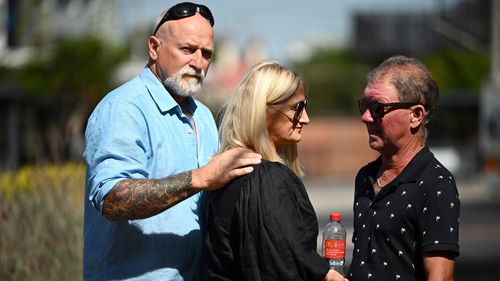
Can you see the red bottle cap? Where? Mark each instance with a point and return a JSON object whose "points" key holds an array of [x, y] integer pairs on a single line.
{"points": [[335, 217]]}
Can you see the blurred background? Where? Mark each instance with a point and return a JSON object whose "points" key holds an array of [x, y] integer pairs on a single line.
{"points": [[58, 58]]}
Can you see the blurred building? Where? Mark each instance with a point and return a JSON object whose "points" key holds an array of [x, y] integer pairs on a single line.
{"points": [[464, 25], [30, 25]]}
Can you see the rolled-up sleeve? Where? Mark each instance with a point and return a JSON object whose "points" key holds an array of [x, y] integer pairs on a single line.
{"points": [[115, 148]]}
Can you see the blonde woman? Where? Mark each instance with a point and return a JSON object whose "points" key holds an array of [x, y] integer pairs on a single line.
{"points": [[262, 226]]}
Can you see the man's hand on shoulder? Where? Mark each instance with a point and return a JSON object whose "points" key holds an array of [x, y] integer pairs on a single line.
{"points": [[225, 167]]}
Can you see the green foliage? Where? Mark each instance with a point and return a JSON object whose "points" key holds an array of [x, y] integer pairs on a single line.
{"points": [[336, 79], [460, 75], [76, 70], [58, 89], [41, 216], [458, 70]]}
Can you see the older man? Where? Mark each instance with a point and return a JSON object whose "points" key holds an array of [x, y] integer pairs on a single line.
{"points": [[148, 143], [406, 204]]}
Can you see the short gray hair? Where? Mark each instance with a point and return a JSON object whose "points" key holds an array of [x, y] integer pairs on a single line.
{"points": [[412, 80]]}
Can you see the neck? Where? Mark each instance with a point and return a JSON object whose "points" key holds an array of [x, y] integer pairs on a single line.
{"points": [[181, 101], [394, 163]]}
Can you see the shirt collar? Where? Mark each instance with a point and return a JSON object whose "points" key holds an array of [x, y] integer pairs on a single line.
{"points": [[160, 95], [415, 167], [411, 172]]}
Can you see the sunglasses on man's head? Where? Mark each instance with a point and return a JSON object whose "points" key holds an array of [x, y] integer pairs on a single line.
{"points": [[377, 109], [185, 10]]}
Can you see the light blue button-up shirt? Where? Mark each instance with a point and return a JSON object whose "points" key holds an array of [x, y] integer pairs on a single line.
{"points": [[139, 131]]}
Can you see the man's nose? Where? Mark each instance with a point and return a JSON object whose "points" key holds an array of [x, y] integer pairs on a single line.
{"points": [[197, 60]]}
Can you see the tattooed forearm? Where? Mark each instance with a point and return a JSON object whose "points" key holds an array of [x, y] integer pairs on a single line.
{"points": [[142, 198]]}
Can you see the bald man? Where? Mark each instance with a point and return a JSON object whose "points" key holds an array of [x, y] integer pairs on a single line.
{"points": [[149, 152]]}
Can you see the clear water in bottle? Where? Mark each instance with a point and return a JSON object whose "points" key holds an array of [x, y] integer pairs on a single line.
{"points": [[334, 235]]}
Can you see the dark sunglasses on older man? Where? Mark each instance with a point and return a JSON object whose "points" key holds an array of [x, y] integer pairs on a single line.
{"points": [[185, 10], [377, 109], [298, 108]]}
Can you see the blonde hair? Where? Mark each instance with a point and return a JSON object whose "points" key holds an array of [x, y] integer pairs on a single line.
{"points": [[244, 115]]}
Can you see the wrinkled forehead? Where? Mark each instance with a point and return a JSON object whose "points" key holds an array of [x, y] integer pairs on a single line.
{"points": [[381, 89]]}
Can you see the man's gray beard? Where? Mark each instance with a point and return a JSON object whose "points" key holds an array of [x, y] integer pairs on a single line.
{"points": [[187, 89]]}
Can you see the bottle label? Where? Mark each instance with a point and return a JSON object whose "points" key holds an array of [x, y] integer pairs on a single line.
{"points": [[334, 249]]}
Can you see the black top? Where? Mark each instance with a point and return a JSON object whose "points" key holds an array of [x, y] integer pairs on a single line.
{"points": [[417, 212], [262, 226]]}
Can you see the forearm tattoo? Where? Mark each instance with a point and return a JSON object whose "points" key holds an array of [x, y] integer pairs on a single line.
{"points": [[141, 198]]}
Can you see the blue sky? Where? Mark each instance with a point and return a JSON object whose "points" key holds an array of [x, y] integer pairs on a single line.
{"points": [[281, 24]]}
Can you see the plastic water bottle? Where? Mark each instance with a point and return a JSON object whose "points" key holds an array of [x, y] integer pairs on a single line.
{"points": [[334, 235]]}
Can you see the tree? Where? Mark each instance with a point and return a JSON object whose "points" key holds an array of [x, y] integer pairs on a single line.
{"points": [[61, 87], [336, 79]]}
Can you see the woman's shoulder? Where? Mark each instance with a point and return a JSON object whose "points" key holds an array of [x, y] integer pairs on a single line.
{"points": [[272, 166], [264, 174], [274, 172], [271, 170], [266, 171]]}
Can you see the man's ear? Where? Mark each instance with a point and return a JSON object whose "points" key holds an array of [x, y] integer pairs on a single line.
{"points": [[153, 47], [417, 116]]}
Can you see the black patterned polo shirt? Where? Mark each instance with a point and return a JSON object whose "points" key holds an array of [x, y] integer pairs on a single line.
{"points": [[417, 212]]}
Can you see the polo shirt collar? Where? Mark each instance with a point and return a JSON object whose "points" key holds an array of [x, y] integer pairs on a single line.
{"points": [[410, 173], [160, 95], [416, 166]]}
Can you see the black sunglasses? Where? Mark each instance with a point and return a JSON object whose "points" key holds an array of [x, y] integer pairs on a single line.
{"points": [[298, 108], [185, 10], [377, 109]]}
